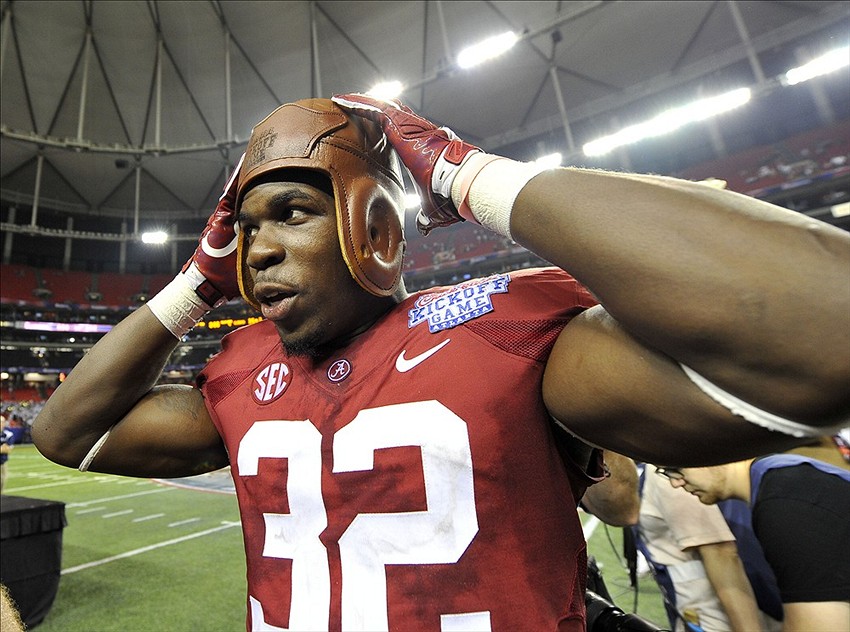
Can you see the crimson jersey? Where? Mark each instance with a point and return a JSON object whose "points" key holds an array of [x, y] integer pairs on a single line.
{"points": [[413, 480]]}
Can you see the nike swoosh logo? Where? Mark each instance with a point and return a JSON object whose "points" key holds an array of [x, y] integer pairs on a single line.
{"points": [[403, 365]]}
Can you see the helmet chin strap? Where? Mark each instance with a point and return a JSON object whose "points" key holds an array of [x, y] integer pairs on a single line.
{"points": [[246, 283]]}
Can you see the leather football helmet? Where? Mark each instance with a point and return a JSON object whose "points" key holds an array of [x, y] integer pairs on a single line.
{"points": [[364, 171]]}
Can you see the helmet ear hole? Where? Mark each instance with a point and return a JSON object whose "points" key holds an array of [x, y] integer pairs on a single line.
{"points": [[384, 230], [375, 260]]}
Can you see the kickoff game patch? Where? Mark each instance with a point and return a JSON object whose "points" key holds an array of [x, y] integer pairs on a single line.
{"points": [[458, 305]]}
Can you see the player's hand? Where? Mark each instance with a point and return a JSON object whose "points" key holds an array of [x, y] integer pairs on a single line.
{"points": [[211, 270], [432, 154]]}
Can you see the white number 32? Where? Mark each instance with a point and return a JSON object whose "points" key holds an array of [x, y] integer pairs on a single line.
{"points": [[438, 535]]}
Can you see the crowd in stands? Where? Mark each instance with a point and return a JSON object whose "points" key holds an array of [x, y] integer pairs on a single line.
{"points": [[20, 409], [762, 171]]}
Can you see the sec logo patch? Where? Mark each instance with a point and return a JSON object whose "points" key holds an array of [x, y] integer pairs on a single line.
{"points": [[270, 382]]}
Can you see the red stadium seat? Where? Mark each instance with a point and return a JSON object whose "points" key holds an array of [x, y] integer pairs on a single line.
{"points": [[18, 282]]}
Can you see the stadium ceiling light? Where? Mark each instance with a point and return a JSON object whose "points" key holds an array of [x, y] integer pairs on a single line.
{"points": [[486, 49], [155, 237], [386, 90], [550, 161], [412, 200], [669, 121], [830, 62]]}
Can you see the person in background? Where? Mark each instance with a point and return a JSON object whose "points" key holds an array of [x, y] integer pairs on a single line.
{"points": [[834, 450], [7, 444], [695, 560], [801, 516]]}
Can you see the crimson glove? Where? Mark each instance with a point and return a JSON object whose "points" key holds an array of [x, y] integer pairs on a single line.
{"points": [[432, 154], [211, 270]]}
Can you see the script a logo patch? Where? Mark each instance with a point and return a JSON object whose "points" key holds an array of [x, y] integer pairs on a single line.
{"points": [[270, 382], [457, 305]]}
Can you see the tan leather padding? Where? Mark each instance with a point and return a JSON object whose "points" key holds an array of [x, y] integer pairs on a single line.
{"points": [[366, 177]]}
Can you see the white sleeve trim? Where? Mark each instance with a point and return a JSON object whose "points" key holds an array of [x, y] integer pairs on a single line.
{"points": [[84, 466], [756, 415]]}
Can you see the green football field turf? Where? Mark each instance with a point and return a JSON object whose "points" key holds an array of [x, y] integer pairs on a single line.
{"points": [[140, 555]]}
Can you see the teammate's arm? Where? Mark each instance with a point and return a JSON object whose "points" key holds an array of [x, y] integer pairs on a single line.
{"points": [[747, 294]]}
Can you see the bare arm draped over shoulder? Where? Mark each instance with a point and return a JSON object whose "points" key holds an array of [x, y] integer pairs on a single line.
{"points": [[749, 295]]}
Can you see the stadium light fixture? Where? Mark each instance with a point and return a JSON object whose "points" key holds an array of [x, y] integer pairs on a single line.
{"points": [[830, 62], [550, 161], [412, 200], [386, 90], [669, 121], [155, 237], [486, 49]]}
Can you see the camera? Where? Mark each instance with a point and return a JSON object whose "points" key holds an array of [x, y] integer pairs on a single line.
{"points": [[604, 616]]}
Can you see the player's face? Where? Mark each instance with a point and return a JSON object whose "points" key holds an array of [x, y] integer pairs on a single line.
{"points": [[300, 278]]}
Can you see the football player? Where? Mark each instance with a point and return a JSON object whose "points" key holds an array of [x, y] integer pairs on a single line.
{"points": [[409, 461]]}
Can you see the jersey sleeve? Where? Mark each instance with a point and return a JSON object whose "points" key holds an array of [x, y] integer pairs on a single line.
{"points": [[542, 302]]}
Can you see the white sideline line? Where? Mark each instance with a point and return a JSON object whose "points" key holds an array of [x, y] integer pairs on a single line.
{"points": [[589, 527], [117, 513], [13, 490], [104, 500], [145, 549], [150, 517]]}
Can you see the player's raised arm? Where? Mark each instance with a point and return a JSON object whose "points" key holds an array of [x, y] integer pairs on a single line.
{"points": [[108, 416], [717, 307]]}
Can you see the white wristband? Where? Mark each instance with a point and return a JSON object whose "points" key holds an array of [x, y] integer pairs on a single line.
{"points": [[178, 307], [756, 415], [487, 187]]}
